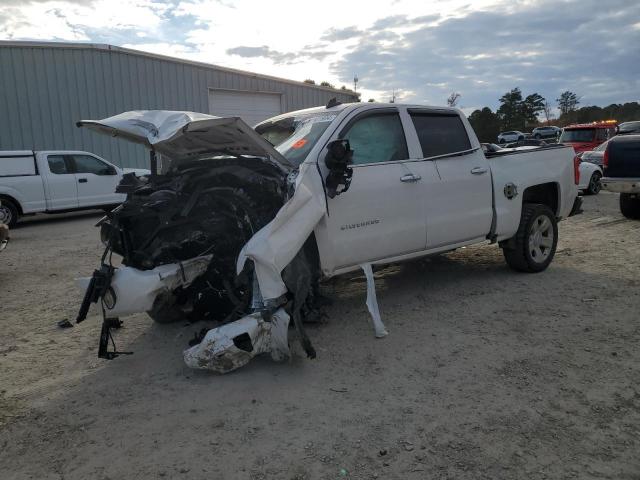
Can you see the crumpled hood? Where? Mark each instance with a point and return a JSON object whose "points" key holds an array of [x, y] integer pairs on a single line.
{"points": [[187, 135]]}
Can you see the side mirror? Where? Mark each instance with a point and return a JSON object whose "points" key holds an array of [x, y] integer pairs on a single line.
{"points": [[339, 157]]}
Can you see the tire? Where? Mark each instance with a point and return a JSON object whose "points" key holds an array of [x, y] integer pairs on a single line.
{"points": [[630, 206], [594, 184], [520, 138], [501, 141], [534, 244], [9, 213], [537, 136]]}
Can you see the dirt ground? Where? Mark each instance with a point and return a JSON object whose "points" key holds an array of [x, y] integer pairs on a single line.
{"points": [[486, 373]]}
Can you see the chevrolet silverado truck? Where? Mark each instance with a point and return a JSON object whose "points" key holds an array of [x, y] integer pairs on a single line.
{"points": [[56, 181], [621, 162], [239, 225]]}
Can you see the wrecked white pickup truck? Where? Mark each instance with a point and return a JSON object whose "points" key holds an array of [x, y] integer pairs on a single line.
{"points": [[239, 225]]}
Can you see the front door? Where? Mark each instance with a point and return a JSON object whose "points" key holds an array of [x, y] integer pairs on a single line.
{"points": [[97, 181], [381, 215]]}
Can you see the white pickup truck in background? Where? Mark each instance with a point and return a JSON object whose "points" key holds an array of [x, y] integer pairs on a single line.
{"points": [[56, 181]]}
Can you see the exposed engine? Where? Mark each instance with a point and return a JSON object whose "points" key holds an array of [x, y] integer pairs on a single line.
{"points": [[206, 207]]}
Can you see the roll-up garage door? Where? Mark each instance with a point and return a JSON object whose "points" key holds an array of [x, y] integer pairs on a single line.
{"points": [[252, 107]]}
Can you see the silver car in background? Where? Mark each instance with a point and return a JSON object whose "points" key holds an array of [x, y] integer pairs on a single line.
{"points": [[511, 136], [546, 132], [595, 156]]}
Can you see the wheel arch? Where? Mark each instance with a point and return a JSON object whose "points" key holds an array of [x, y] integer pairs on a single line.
{"points": [[544, 193], [9, 198]]}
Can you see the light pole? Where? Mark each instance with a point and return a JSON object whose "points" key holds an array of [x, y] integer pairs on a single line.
{"points": [[355, 83]]}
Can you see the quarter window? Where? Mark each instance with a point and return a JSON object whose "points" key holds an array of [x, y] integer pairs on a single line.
{"points": [[57, 165], [377, 138], [441, 134]]}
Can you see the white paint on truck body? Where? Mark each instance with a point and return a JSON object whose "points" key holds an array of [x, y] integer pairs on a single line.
{"points": [[48, 181]]}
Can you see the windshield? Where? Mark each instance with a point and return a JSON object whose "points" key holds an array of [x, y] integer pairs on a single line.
{"points": [[578, 135], [294, 137], [628, 127]]}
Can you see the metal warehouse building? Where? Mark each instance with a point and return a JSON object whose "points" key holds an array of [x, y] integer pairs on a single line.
{"points": [[46, 87]]}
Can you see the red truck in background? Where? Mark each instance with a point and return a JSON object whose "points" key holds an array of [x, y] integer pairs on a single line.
{"points": [[584, 137]]}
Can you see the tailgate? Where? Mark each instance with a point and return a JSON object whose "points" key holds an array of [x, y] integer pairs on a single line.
{"points": [[624, 157]]}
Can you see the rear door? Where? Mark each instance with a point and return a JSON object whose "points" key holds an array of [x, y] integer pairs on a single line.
{"points": [[60, 181], [458, 207], [381, 215], [96, 180]]}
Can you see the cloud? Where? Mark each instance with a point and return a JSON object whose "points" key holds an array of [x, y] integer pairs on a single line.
{"points": [[337, 34], [279, 57], [543, 47]]}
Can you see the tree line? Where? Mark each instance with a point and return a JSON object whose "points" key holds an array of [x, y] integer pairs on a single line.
{"points": [[517, 112]]}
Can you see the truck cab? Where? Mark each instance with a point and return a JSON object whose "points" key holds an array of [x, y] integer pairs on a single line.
{"points": [[584, 137]]}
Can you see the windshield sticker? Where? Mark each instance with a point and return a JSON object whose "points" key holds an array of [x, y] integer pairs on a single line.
{"points": [[300, 143]]}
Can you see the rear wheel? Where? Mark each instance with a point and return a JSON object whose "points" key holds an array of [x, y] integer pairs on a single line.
{"points": [[594, 184], [630, 206], [8, 213], [537, 136], [534, 245]]}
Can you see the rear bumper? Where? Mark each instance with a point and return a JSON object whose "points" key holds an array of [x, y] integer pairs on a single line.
{"points": [[621, 185], [577, 206]]}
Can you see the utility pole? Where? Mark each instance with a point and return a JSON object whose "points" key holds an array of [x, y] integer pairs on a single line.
{"points": [[355, 83]]}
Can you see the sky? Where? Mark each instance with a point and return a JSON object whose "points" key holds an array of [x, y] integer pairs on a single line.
{"points": [[419, 51]]}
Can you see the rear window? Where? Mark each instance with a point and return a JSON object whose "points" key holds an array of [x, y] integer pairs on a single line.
{"points": [[17, 165], [440, 134], [578, 135]]}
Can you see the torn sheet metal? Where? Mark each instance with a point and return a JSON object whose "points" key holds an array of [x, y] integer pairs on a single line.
{"points": [[233, 345], [184, 135], [273, 247], [136, 290], [372, 302]]}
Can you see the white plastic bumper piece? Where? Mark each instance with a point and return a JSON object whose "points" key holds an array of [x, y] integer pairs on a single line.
{"points": [[233, 345], [135, 290]]}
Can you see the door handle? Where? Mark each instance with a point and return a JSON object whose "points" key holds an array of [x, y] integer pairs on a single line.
{"points": [[82, 180], [478, 170], [410, 177]]}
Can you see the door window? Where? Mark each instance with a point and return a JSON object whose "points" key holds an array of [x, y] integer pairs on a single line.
{"points": [[440, 134], [88, 164], [377, 138], [57, 164]]}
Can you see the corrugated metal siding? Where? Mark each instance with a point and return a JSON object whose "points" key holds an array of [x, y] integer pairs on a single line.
{"points": [[45, 90]]}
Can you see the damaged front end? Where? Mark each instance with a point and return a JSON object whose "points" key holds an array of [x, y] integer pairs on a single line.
{"points": [[215, 184]]}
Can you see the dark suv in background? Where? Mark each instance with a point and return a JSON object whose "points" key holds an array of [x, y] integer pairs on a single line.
{"points": [[621, 165]]}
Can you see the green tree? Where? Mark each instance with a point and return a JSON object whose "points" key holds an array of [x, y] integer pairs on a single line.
{"points": [[486, 124], [324, 83], [510, 111], [309, 81], [567, 102], [371, 100], [531, 106]]}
